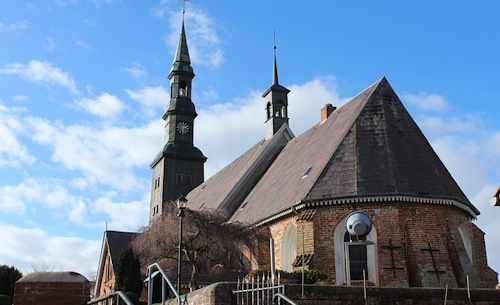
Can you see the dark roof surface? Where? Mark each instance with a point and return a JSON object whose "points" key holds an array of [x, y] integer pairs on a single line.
{"points": [[222, 189], [52, 277], [117, 242], [369, 147]]}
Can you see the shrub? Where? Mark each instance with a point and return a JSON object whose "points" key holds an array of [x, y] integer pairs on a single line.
{"points": [[5, 300], [133, 297], [311, 276]]}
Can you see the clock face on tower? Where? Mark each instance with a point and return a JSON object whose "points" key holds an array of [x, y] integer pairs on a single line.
{"points": [[182, 127]]}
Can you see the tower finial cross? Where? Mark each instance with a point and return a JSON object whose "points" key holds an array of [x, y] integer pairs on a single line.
{"points": [[274, 41], [184, 8]]}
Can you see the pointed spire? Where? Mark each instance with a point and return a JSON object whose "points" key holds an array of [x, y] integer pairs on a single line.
{"points": [[275, 65], [182, 52]]}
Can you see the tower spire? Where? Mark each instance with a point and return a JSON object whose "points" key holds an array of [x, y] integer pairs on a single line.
{"points": [[179, 166]]}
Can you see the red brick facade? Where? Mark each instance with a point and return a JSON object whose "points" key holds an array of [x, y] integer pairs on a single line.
{"points": [[107, 284], [52, 288], [417, 244]]}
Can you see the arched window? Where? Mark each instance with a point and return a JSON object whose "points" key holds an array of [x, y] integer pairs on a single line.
{"points": [[288, 248], [269, 110], [352, 256], [183, 89], [280, 111], [464, 233]]}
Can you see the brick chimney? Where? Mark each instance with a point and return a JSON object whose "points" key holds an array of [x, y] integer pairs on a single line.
{"points": [[326, 111]]}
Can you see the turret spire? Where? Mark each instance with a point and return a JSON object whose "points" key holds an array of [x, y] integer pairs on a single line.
{"points": [[276, 101]]}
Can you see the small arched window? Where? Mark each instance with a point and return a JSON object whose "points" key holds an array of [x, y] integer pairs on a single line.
{"points": [[288, 248], [280, 111], [183, 89], [269, 110]]}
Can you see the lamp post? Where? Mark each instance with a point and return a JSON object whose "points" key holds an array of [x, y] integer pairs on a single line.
{"points": [[181, 205]]}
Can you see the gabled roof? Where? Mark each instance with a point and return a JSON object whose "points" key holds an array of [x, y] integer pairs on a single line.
{"points": [[117, 243], [114, 243], [369, 148], [227, 188]]}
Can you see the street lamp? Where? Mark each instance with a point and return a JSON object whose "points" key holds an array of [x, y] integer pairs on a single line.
{"points": [[181, 205]]}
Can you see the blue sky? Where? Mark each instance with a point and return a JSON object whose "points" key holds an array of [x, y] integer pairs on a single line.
{"points": [[83, 86]]}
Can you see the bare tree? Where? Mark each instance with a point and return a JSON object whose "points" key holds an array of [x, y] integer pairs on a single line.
{"points": [[44, 267], [209, 243]]}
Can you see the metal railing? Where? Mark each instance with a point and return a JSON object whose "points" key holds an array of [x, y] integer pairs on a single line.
{"points": [[165, 279], [281, 296], [260, 290], [118, 294]]}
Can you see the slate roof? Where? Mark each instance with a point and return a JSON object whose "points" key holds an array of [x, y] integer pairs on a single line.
{"points": [[117, 243], [54, 277], [370, 147], [227, 188]]}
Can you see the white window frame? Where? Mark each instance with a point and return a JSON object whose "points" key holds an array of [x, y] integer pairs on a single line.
{"points": [[341, 248]]}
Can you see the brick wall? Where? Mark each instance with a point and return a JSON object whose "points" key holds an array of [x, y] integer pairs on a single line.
{"points": [[52, 293], [427, 248], [107, 283], [221, 294]]}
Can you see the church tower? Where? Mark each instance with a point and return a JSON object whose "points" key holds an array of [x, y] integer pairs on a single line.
{"points": [[276, 98], [179, 167]]}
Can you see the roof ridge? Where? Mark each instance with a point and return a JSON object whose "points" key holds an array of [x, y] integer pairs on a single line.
{"points": [[272, 142]]}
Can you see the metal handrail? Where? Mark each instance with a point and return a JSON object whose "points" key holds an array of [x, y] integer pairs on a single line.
{"points": [[283, 297], [119, 295], [165, 278]]}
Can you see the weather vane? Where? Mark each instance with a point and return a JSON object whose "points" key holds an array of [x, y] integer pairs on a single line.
{"points": [[274, 40], [184, 8]]}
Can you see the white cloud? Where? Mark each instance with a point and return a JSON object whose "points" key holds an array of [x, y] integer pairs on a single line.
{"points": [[150, 98], [41, 193], [105, 106], [78, 212], [27, 247], [20, 98], [427, 102], [128, 216], [49, 44], [82, 44], [135, 70], [12, 151], [107, 156], [13, 27], [65, 2], [41, 72], [210, 95], [434, 126]]}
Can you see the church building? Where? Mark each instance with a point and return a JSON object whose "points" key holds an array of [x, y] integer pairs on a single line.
{"points": [[367, 157]]}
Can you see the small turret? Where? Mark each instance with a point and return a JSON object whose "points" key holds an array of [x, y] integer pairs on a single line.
{"points": [[276, 103]]}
